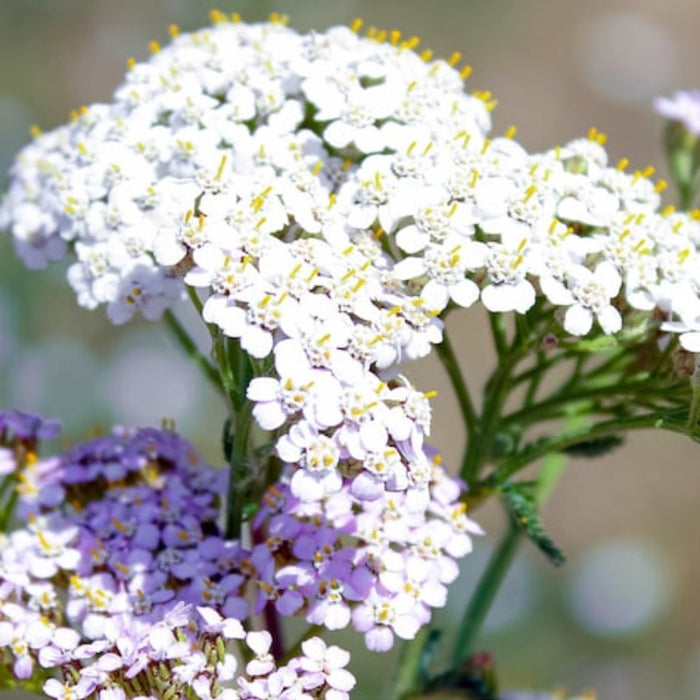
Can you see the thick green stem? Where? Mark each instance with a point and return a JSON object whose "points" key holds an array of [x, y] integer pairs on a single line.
{"points": [[239, 471], [484, 595]]}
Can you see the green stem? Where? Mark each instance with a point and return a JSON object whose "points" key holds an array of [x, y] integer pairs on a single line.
{"points": [[8, 508], [239, 471], [191, 349], [484, 595], [449, 361], [559, 402], [496, 392], [543, 447], [409, 679], [498, 331], [694, 412]]}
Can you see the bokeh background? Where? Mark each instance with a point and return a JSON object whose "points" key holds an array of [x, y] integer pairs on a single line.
{"points": [[622, 616]]}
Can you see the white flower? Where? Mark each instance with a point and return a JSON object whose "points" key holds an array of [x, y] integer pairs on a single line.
{"points": [[591, 293]]}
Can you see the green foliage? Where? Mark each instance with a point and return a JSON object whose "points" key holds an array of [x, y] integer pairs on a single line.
{"points": [[596, 447], [521, 501]]}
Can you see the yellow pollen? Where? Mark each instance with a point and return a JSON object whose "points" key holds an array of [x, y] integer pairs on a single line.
{"points": [[622, 164], [411, 43], [428, 148], [323, 339], [122, 567], [173, 30], [260, 223], [357, 24], [465, 72], [668, 210], [661, 185], [677, 227], [683, 255], [34, 131], [430, 394], [217, 16], [154, 46], [511, 131], [235, 17], [486, 145], [120, 526], [222, 165], [455, 58], [557, 152], [45, 544], [531, 190], [201, 219], [394, 37], [130, 63], [648, 171], [597, 136], [426, 55], [382, 35]]}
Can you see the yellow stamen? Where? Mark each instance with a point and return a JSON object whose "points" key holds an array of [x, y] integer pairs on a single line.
{"points": [[357, 24], [154, 46]]}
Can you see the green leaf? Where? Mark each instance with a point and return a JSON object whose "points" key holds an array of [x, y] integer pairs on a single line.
{"points": [[521, 501], [596, 447]]}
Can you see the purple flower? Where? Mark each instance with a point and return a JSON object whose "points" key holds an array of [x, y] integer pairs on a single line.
{"points": [[683, 107]]}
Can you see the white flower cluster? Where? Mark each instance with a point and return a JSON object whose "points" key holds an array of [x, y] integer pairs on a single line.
{"points": [[330, 177]]}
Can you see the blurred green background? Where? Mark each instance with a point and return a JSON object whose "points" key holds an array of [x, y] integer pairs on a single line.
{"points": [[622, 616]]}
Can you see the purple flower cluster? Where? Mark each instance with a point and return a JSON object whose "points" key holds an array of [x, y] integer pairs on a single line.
{"points": [[376, 563], [123, 583]]}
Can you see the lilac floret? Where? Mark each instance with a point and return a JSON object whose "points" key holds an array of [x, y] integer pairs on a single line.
{"points": [[683, 107]]}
